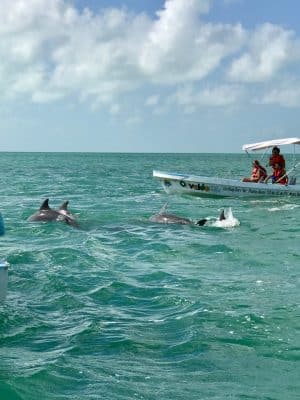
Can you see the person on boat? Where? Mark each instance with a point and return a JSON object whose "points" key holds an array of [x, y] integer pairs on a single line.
{"points": [[276, 158], [278, 175], [259, 173]]}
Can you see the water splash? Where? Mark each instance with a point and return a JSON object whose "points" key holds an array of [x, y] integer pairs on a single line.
{"points": [[229, 222]]}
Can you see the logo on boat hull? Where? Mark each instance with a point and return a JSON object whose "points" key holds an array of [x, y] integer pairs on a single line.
{"points": [[192, 186], [199, 186]]}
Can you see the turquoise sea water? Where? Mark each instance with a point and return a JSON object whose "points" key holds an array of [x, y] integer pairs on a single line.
{"points": [[123, 308]]}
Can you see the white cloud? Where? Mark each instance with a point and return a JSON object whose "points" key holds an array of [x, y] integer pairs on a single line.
{"points": [[115, 109], [152, 100], [43, 96], [134, 120], [49, 50], [106, 54], [180, 47], [191, 99], [270, 48], [285, 96]]}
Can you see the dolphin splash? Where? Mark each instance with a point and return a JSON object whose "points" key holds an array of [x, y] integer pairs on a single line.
{"points": [[228, 220], [47, 214]]}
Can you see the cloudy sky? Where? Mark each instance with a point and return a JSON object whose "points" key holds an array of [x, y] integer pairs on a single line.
{"points": [[148, 75]]}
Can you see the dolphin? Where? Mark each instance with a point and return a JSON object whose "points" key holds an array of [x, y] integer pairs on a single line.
{"points": [[70, 219], [163, 218], [63, 210], [47, 214]]}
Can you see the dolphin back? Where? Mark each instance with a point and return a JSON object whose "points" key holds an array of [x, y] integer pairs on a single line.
{"points": [[170, 219], [47, 214]]}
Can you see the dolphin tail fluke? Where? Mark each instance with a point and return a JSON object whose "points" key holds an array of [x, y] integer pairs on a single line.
{"points": [[222, 216], [45, 205], [201, 222]]}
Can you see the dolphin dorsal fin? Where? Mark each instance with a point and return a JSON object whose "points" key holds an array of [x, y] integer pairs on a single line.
{"points": [[45, 205], [164, 207], [222, 216], [64, 205]]}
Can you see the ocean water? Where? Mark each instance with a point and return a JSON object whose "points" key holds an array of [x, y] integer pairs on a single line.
{"points": [[123, 308]]}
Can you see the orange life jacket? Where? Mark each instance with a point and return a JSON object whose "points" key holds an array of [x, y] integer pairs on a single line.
{"points": [[277, 173]]}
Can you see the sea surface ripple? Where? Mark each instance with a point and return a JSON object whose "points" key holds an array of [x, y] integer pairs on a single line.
{"points": [[123, 308]]}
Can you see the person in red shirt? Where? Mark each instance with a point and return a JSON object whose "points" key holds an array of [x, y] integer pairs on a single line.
{"points": [[276, 158]]}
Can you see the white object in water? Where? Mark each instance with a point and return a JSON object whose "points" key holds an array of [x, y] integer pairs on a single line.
{"points": [[229, 222], [3, 279]]}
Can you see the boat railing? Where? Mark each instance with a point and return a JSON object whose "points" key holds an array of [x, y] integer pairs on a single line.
{"points": [[292, 178]]}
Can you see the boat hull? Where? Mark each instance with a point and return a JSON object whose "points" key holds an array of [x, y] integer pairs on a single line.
{"points": [[203, 186]]}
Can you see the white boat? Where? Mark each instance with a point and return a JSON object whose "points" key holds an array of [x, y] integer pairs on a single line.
{"points": [[3, 279], [221, 187]]}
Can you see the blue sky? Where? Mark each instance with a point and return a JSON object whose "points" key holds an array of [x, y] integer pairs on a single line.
{"points": [[148, 76]]}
